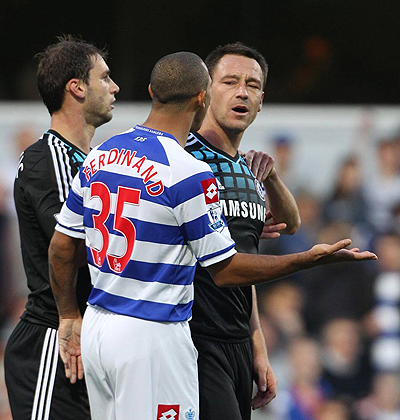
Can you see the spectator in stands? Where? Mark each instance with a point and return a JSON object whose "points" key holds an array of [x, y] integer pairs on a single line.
{"points": [[384, 401], [383, 189], [347, 202], [346, 373], [386, 313]]}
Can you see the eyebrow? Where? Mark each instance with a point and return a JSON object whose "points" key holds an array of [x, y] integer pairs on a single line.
{"points": [[237, 77]]}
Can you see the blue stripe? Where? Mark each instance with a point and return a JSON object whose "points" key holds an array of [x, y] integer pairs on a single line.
{"points": [[198, 228], [75, 203], [151, 272], [70, 228], [145, 231], [207, 257], [141, 308], [188, 188]]}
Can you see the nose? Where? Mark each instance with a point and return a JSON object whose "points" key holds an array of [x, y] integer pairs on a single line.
{"points": [[242, 91], [114, 87]]}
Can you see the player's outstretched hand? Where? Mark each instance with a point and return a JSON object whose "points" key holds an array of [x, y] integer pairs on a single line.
{"points": [[271, 227], [69, 337], [260, 163], [326, 254]]}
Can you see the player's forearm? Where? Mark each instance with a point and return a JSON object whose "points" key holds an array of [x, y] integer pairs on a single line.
{"points": [[249, 269], [282, 203], [256, 332], [63, 270]]}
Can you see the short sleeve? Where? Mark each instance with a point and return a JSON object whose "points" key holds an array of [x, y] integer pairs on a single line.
{"points": [[199, 215], [70, 219]]}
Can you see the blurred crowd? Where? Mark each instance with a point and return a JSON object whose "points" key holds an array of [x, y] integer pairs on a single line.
{"points": [[333, 333]]}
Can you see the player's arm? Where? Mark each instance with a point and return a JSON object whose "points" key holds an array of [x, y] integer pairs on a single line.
{"points": [[264, 375], [247, 269], [63, 270], [282, 205]]}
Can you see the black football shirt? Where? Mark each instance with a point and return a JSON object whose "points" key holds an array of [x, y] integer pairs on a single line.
{"points": [[224, 313], [44, 176]]}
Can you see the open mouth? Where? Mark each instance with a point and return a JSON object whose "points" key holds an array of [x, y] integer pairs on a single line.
{"points": [[240, 109]]}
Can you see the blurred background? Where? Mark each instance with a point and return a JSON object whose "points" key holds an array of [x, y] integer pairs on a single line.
{"points": [[331, 120]]}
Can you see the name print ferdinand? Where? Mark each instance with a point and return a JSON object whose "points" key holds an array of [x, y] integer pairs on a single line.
{"points": [[126, 158]]}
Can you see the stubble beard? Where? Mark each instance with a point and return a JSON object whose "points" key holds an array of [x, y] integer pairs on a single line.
{"points": [[95, 115]]}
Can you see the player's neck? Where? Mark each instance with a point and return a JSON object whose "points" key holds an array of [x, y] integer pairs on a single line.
{"points": [[225, 140], [178, 124], [73, 127]]}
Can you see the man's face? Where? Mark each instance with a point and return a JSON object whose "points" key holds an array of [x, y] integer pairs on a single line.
{"points": [[237, 92], [101, 91]]}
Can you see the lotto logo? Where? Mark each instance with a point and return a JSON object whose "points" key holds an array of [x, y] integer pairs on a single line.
{"points": [[168, 412], [210, 190]]}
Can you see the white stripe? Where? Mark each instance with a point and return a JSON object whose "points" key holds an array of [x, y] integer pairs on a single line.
{"points": [[143, 251], [211, 244], [147, 211], [41, 385], [56, 169], [191, 139], [52, 378], [69, 218], [69, 232], [67, 164], [170, 294], [46, 375], [192, 209], [61, 151], [39, 381], [179, 158]]}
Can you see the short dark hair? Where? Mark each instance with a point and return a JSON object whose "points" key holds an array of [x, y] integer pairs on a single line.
{"points": [[69, 58], [237, 48], [178, 77]]}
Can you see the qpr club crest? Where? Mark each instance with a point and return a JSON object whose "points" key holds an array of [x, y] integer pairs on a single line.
{"points": [[190, 414], [260, 189], [214, 214]]}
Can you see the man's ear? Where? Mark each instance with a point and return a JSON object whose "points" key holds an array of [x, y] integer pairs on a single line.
{"points": [[76, 87], [150, 91], [201, 99], [261, 102]]}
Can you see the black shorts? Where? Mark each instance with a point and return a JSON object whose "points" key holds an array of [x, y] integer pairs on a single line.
{"points": [[35, 377], [225, 379]]}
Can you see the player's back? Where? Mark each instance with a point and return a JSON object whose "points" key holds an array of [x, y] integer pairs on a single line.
{"points": [[144, 207]]}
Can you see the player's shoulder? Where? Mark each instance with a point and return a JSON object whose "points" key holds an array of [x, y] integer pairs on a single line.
{"points": [[201, 149], [139, 143], [51, 143], [35, 154]]}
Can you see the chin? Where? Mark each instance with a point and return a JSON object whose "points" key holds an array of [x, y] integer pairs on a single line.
{"points": [[237, 128], [103, 119]]}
